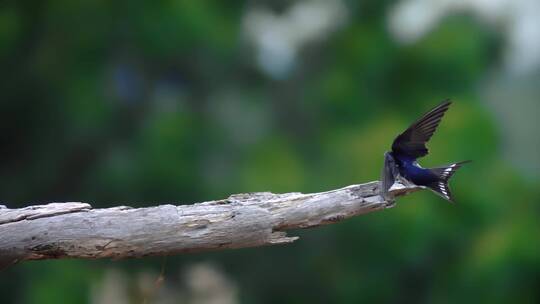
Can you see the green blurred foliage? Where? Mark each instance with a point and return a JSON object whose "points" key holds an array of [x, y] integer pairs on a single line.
{"points": [[114, 102]]}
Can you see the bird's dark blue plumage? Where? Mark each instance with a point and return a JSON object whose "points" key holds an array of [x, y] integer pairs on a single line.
{"points": [[410, 145]]}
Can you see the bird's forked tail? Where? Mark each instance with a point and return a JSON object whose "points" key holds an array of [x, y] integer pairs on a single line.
{"points": [[440, 186]]}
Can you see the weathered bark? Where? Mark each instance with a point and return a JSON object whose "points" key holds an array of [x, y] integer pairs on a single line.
{"points": [[76, 230]]}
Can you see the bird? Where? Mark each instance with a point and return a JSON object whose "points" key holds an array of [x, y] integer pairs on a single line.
{"points": [[401, 162]]}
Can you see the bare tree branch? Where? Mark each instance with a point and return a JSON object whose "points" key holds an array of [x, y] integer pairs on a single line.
{"points": [[76, 230]]}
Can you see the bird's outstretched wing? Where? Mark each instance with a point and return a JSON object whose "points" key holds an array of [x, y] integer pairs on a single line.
{"points": [[413, 141]]}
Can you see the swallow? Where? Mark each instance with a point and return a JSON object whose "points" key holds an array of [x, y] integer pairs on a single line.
{"points": [[401, 163]]}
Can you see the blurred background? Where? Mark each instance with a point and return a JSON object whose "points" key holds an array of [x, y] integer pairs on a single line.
{"points": [[146, 102]]}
